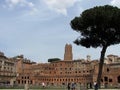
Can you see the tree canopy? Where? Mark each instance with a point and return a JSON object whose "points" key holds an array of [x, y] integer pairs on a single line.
{"points": [[53, 59], [98, 27]]}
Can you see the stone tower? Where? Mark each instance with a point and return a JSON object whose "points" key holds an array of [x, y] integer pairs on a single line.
{"points": [[68, 56]]}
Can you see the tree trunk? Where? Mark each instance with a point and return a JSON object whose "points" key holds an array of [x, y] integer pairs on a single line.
{"points": [[101, 65]]}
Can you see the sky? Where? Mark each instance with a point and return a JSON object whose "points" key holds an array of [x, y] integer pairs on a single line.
{"points": [[40, 29]]}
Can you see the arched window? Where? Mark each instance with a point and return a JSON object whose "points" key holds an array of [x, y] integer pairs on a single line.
{"points": [[118, 78]]}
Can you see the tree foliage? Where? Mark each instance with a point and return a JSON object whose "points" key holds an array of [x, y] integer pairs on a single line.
{"points": [[53, 59], [98, 27]]}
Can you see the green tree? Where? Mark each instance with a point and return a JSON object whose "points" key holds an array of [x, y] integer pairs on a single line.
{"points": [[53, 59], [98, 27]]}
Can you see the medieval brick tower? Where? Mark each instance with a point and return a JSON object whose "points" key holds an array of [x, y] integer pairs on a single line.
{"points": [[68, 52]]}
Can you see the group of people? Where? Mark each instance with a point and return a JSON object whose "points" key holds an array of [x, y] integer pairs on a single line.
{"points": [[71, 86]]}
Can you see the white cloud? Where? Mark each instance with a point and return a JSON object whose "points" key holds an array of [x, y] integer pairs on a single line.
{"points": [[21, 3], [60, 6], [115, 3], [30, 4], [13, 3]]}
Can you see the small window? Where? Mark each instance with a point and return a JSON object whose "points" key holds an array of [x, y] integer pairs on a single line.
{"points": [[18, 81], [110, 80], [106, 78], [118, 78], [101, 80], [107, 69]]}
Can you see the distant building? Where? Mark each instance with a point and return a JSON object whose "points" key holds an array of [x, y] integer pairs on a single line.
{"points": [[19, 70], [7, 70], [59, 72], [23, 72], [110, 74]]}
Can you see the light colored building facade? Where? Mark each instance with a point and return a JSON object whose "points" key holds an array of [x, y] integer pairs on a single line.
{"points": [[7, 70]]}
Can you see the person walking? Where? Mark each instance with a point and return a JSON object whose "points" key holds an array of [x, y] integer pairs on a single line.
{"points": [[95, 86], [43, 84], [73, 86], [68, 86]]}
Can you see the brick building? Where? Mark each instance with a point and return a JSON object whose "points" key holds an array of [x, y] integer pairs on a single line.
{"points": [[58, 72], [111, 74], [80, 71]]}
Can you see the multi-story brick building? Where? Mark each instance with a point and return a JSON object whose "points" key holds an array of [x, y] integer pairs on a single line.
{"points": [[111, 72], [23, 70], [58, 72], [80, 71]]}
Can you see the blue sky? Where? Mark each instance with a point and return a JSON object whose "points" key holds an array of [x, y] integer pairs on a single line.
{"points": [[39, 29]]}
